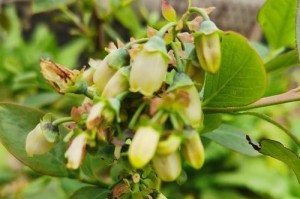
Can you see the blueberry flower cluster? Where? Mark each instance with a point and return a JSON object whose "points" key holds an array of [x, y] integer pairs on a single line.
{"points": [[143, 99]]}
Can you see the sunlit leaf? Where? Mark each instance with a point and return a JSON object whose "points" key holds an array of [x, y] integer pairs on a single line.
{"points": [[278, 151], [285, 60], [277, 19], [241, 79]]}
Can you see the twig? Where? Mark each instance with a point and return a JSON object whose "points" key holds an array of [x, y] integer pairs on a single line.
{"points": [[290, 96]]}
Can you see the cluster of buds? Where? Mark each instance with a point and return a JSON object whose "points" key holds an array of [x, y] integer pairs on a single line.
{"points": [[144, 94]]}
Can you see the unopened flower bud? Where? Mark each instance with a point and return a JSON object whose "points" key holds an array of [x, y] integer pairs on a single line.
{"points": [[59, 77], [188, 99], [36, 142], [106, 68], [143, 146], [117, 84], [208, 47], [149, 67], [193, 150], [193, 111], [102, 74], [169, 145], [76, 151], [88, 76], [167, 167], [194, 71], [118, 58], [42, 138]]}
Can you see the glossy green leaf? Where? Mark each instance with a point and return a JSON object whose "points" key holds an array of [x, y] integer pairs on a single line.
{"points": [[286, 60], [232, 138], [241, 79], [90, 193], [277, 19], [47, 5], [15, 123], [278, 151]]}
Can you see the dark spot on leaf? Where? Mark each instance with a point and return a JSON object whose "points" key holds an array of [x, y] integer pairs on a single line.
{"points": [[256, 147]]}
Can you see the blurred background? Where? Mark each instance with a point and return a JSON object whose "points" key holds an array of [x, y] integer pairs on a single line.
{"points": [[70, 32]]}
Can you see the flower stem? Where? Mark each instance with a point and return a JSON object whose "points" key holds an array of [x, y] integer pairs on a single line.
{"points": [[62, 120], [157, 116], [189, 4], [89, 93], [177, 57], [174, 121], [165, 28], [138, 41], [136, 115], [122, 95], [201, 12], [290, 96]]}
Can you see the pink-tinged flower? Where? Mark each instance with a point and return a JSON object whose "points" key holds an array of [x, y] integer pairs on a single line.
{"points": [[167, 167], [208, 47], [94, 116], [59, 77], [76, 151], [193, 150], [37, 143], [188, 102], [143, 146], [149, 67]]}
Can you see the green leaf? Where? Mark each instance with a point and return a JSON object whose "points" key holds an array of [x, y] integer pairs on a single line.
{"points": [[94, 167], [41, 99], [232, 138], [90, 193], [298, 29], [285, 60], [241, 79], [15, 123], [127, 17], [43, 187], [278, 151], [211, 122], [73, 49], [47, 5], [69, 186], [277, 19]]}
